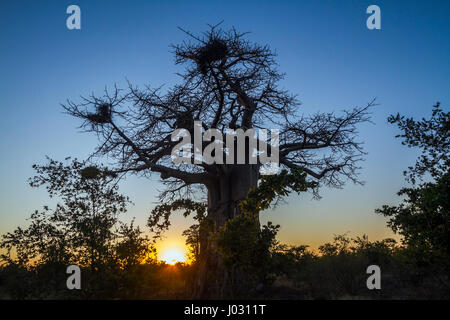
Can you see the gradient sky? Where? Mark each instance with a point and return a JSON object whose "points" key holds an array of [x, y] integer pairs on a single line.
{"points": [[331, 59]]}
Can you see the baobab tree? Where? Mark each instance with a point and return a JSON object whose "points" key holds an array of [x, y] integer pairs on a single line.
{"points": [[228, 83]]}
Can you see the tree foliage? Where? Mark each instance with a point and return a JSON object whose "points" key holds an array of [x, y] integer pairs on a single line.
{"points": [[83, 228], [423, 218], [274, 186], [431, 136], [228, 82]]}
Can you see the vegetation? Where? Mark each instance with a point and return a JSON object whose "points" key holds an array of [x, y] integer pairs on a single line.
{"points": [[228, 83], [83, 229], [423, 218]]}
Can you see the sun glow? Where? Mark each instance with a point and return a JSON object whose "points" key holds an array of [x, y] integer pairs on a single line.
{"points": [[173, 255]]}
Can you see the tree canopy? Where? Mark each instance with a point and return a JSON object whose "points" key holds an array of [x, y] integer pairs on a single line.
{"points": [[423, 218]]}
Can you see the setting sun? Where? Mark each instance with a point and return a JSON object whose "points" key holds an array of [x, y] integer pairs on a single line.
{"points": [[173, 255]]}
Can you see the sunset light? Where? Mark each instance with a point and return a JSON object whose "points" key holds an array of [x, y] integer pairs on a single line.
{"points": [[219, 159], [172, 255]]}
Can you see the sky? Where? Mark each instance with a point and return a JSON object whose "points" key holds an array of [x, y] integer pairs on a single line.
{"points": [[331, 60]]}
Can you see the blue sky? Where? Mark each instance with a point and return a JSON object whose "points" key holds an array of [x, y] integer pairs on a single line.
{"points": [[331, 59]]}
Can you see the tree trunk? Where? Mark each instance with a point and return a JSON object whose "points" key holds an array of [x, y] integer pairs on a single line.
{"points": [[223, 204]]}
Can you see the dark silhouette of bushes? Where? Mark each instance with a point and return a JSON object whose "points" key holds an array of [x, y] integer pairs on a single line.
{"points": [[338, 271]]}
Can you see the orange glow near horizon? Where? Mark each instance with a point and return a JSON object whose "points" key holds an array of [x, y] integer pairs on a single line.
{"points": [[172, 252]]}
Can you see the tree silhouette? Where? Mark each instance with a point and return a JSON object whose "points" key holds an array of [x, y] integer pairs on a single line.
{"points": [[82, 229], [423, 218], [228, 82]]}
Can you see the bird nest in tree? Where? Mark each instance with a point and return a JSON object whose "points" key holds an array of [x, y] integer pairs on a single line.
{"points": [[102, 114], [214, 50], [91, 172], [94, 172]]}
